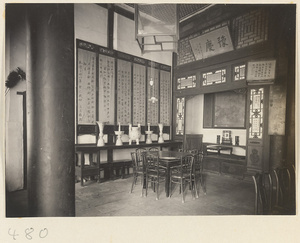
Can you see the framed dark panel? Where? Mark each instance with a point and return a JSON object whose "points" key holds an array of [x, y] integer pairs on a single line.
{"points": [[229, 109], [208, 110], [225, 109]]}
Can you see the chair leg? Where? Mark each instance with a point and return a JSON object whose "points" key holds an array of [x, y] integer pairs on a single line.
{"points": [[157, 190], [146, 189], [256, 195], [170, 188], [195, 187], [133, 182], [182, 188], [203, 185], [81, 181], [142, 182]]}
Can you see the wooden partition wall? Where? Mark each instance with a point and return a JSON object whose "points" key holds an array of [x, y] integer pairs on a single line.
{"points": [[113, 87]]}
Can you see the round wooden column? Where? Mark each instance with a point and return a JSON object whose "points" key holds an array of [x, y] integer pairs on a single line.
{"points": [[50, 78]]}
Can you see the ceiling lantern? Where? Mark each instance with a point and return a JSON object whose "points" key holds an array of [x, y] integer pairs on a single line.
{"points": [[156, 27]]}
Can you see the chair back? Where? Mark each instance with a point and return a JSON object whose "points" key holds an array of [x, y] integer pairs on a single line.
{"points": [[137, 160], [187, 164], [151, 161], [198, 157], [154, 149], [134, 160], [139, 152], [193, 142]]}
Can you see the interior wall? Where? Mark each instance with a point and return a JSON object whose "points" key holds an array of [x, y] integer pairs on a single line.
{"points": [[15, 56], [194, 124], [90, 22]]}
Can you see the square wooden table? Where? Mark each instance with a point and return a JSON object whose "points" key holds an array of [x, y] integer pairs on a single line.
{"points": [[169, 159]]}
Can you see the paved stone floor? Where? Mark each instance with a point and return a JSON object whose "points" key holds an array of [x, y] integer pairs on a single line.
{"points": [[225, 196]]}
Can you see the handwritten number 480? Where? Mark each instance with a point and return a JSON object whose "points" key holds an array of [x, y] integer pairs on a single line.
{"points": [[29, 233]]}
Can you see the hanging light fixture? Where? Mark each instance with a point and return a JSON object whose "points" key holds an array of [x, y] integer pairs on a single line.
{"points": [[152, 98], [156, 27]]}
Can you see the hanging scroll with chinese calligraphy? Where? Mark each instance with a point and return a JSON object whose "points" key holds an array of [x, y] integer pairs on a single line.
{"points": [[139, 94], [165, 97], [106, 89], [152, 110], [212, 43], [114, 87], [124, 92], [86, 78]]}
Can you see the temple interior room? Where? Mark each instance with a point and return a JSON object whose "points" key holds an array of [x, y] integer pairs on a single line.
{"points": [[116, 109]]}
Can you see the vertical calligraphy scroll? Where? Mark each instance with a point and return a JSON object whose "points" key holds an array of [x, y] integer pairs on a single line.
{"points": [[152, 111], [124, 92], [165, 97], [139, 94], [106, 89], [86, 96]]}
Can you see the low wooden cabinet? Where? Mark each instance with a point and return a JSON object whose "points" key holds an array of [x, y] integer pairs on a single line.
{"points": [[216, 161]]}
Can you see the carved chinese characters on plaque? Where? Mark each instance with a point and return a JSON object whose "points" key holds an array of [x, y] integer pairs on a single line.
{"points": [[139, 94], [152, 111], [124, 92], [106, 88], [165, 97], [212, 43], [86, 99]]}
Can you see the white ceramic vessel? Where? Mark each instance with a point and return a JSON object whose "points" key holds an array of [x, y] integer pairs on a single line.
{"points": [[134, 133], [100, 141], [160, 139]]}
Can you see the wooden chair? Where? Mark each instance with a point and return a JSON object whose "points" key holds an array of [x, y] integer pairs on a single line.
{"points": [[198, 164], [139, 152], [138, 170], [193, 142], [285, 199], [154, 172], [272, 193], [199, 170], [182, 174], [263, 193]]}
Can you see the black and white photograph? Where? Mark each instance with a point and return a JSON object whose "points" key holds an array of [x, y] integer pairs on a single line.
{"points": [[163, 121]]}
